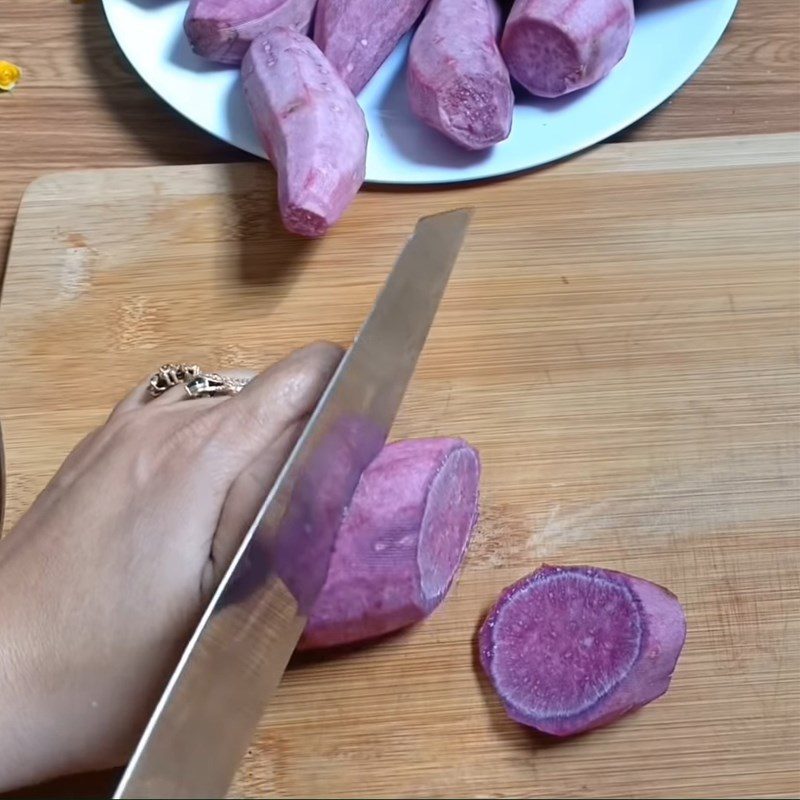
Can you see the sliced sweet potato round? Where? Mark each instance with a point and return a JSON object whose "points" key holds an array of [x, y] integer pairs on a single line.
{"points": [[572, 648]]}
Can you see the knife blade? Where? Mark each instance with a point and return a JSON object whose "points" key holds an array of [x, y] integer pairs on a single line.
{"points": [[205, 719]]}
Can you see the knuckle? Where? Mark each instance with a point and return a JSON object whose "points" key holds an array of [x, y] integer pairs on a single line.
{"points": [[304, 377]]}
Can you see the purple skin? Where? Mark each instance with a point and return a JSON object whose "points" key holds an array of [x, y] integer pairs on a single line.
{"points": [[553, 47], [311, 126], [568, 649], [222, 30], [358, 35], [457, 80], [402, 541]]}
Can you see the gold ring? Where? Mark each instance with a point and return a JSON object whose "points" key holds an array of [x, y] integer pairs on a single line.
{"points": [[169, 375], [196, 382]]}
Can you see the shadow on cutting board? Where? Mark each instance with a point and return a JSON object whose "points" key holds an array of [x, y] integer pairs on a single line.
{"points": [[268, 254], [303, 659], [156, 128]]}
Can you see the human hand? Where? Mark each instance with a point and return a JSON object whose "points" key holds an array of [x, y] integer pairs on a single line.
{"points": [[104, 578]]}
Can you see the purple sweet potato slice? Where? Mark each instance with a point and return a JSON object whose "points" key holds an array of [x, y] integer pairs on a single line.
{"points": [[401, 543], [358, 35], [553, 47], [457, 80], [222, 30], [311, 126], [568, 649]]}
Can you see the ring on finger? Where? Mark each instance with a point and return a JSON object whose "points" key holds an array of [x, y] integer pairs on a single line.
{"points": [[196, 383], [169, 375]]}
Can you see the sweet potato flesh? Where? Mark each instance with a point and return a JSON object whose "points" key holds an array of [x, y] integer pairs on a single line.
{"points": [[565, 642]]}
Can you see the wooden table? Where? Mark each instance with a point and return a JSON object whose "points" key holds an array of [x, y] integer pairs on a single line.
{"points": [[80, 104]]}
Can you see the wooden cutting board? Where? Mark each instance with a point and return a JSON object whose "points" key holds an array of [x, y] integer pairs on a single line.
{"points": [[620, 340]]}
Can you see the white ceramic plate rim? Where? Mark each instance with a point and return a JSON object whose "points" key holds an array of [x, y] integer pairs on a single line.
{"points": [[558, 128]]}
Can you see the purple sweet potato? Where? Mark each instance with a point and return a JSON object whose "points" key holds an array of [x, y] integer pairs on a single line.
{"points": [[358, 35], [311, 127], [553, 47], [457, 80], [222, 30], [401, 543], [571, 648]]}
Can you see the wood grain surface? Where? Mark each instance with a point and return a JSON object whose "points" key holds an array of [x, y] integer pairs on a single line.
{"points": [[620, 341], [80, 104]]}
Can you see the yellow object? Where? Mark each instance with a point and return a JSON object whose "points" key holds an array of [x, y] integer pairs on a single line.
{"points": [[9, 75]]}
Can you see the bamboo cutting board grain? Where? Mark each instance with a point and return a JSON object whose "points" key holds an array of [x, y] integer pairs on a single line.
{"points": [[620, 341]]}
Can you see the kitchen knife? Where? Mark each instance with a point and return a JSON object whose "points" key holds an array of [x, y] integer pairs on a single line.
{"points": [[205, 720]]}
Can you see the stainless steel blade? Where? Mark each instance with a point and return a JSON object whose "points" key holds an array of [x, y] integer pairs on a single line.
{"points": [[233, 663]]}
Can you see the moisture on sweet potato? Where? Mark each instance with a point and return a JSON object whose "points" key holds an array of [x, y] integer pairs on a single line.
{"points": [[358, 35], [568, 649], [553, 47], [222, 30], [311, 127], [401, 543], [457, 80]]}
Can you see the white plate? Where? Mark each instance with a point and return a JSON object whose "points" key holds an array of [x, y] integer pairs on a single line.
{"points": [[672, 39]]}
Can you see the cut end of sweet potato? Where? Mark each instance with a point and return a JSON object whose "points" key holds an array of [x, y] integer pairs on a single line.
{"points": [[304, 222], [450, 510], [543, 58], [553, 47], [213, 38], [571, 648], [476, 111]]}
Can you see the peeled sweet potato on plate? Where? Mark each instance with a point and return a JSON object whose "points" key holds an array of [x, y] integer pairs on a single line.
{"points": [[222, 30], [457, 80], [553, 47], [311, 126], [358, 35]]}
